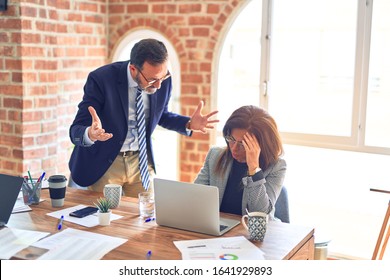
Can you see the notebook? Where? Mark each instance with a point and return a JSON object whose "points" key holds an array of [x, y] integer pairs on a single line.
{"points": [[191, 207], [9, 189]]}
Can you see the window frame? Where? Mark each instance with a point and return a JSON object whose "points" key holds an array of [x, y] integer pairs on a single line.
{"points": [[356, 141]]}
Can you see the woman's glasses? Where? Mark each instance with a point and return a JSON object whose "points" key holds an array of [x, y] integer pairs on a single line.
{"points": [[230, 139]]}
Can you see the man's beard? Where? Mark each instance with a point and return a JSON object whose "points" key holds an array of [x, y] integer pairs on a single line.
{"points": [[149, 90]]}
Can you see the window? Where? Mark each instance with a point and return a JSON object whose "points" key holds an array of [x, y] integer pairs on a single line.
{"points": [[378, 100], [323, 69], [319, 88], [319, 74], [312, 66], [239, 65]]}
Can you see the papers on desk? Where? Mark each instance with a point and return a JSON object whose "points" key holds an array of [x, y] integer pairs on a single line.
{"points": [[73, 244], [89, 221], [69, 244], [14, 240], [223, 248], [19, 205]]}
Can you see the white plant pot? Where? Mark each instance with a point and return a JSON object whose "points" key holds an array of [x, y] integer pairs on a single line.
{"points": [[104, 218]]}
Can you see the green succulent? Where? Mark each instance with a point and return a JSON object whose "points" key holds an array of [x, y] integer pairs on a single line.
{"points": [[103, 205]]}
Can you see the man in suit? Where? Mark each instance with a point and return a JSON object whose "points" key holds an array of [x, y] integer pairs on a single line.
{"points": [[105, 129]]}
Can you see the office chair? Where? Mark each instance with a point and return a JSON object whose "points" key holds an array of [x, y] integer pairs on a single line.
{"points": [[281, 206]]}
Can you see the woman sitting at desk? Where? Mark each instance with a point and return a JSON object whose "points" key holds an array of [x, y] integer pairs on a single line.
{"points": [[249, 171]]}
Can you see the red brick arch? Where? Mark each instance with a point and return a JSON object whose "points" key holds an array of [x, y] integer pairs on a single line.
{"points": [[146, 23], [215, 21]]}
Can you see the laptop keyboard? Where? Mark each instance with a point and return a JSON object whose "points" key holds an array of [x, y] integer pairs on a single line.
{"points": [[222, 227]]}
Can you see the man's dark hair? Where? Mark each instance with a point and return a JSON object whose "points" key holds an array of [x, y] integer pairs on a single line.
{"points": [[150, 50]]}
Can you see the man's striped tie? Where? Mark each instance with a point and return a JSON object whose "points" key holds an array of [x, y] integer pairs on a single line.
{"points": [[143, 156]]}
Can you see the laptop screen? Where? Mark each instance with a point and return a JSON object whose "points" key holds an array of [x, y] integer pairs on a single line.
{"points": [[9, 189]]}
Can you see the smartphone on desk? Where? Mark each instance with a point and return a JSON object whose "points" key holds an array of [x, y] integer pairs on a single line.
{"points": [[83, 212]]}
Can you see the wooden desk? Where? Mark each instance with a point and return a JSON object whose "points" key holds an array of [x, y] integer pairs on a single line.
{"points": [[282, 241]]}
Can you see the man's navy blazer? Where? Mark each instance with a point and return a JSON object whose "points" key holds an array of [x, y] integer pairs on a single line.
{"points": [[106, 90]]}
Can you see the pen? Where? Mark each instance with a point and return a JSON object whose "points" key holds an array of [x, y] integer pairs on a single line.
{"points": [[60, 223], [33, 186], [149, 220], [26, 185], [42, 176], [29, 175], [148, 255]]}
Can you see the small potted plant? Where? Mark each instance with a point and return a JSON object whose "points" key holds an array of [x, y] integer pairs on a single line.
{"points": [[104, 211]]}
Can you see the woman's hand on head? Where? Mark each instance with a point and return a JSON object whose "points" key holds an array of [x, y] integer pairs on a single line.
{"points": [[252, 151]]}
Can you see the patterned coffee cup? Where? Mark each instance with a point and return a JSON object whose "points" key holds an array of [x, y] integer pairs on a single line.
{"points": [[257, 225], [113, 193]]}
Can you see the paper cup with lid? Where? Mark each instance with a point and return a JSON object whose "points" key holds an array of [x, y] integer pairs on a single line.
{"points": [[57, 189]]}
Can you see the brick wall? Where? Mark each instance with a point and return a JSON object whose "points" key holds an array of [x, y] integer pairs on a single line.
{"points": [[48, 47]]}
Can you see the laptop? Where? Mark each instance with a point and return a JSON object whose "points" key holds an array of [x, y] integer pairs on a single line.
{"points": [[191, 207], [9, 190]]}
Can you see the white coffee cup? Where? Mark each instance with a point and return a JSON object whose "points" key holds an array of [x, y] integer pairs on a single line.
{"points": [[113, 193]]}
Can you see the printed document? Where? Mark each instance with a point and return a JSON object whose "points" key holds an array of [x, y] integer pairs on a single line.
{"points": [[73, 244], [222, 248]]}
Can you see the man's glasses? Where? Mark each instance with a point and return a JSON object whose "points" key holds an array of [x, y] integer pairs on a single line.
{"points": [[232, 141], [151, 82]]}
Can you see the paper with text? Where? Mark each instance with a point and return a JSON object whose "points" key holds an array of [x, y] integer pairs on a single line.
{"points": [[73, 244], [223, 248]]}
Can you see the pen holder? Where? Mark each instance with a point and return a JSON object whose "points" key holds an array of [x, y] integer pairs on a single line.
{"points": [[31, 192]]}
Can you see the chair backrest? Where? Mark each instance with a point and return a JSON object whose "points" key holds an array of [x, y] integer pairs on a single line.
{"points": [[282, 211]]}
